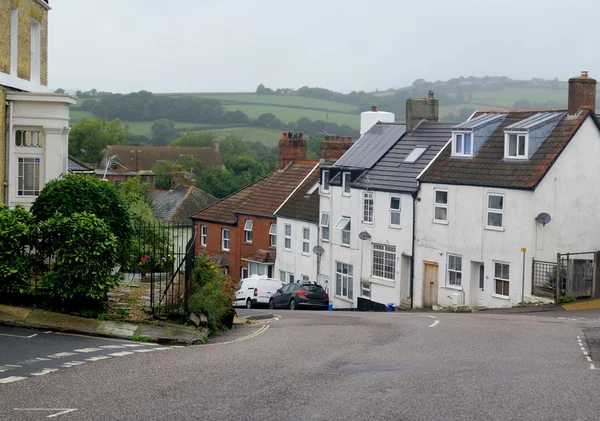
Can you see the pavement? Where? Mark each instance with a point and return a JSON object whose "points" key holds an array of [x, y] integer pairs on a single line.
{"points": [[583, 305]]}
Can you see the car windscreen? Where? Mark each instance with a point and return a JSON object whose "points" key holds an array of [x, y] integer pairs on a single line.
{"points": [[312, 288]]}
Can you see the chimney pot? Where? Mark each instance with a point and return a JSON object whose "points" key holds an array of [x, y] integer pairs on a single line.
{"points": [[373, 108], [430, 95], [584, 73], [284, 136]]}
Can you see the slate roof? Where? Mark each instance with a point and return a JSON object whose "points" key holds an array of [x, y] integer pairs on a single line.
{"points": [[149, 156], [261, 256], [392, 174], [261, 198], [78, 167], [301, 205], [489, 168], [179, 205], [371, 146]]}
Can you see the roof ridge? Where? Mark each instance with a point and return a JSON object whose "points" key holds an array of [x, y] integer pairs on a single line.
{"points": [[535, 110]]}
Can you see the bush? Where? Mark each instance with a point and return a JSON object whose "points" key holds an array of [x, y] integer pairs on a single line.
{"points": [[212, 292], [76, 194], [82, 252], [14, 259]]}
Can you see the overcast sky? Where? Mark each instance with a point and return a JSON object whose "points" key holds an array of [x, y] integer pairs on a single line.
{"points": [[343, 45]]}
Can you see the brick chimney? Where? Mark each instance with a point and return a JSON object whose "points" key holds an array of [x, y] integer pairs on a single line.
{"points": [[179, 178], [333, 147], [418, 109], [292, 147], [582, 93], [216, 145]]}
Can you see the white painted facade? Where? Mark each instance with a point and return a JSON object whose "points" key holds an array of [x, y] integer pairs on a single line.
{"points": [[294, 260], [359, 253], [38, 143], [567, 192]]}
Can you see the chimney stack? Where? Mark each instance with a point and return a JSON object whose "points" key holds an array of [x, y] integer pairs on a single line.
{"points": [[373, 108], [333, 147], [418, 109], [179, 178], [292, 147], [582, 93], [216, 145]]}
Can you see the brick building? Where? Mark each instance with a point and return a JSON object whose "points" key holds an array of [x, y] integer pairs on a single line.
{"points": [[36, 120]]}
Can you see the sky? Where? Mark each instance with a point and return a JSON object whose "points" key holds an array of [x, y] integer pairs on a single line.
{"points": [[342, 45]]}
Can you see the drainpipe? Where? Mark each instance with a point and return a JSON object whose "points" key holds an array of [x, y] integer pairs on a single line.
{"points": [[7, 151], [412, 254]]}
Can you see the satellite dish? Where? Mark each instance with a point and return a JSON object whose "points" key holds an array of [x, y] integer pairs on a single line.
{"points": [[318, 250], [543, 218], [364, 235]]}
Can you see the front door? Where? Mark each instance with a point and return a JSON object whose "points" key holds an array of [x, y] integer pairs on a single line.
{"points": [[430, 285]]}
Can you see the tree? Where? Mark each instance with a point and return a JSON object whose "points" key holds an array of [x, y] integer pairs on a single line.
{"points": [[163, 132], [78, 93], [233, 146], [59, 91], [94, 92], [162, 175], [89, 138], [197, 139], [247, 166]]}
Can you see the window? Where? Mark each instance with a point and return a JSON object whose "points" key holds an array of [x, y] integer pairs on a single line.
{"points": [[495, 211], [225, 240], [29, 138], [515, 145], [287, 237], [282, 276], [258, 268], [501, 278], [395, 211], [368, 207], [454, 270], [244, 273], [29, 177], [248, 230], [365, 289], [344, 280], [290, 278], [325, 226], [346, 183], [325, 181], [36, 50], [14, 39], [440, 207], [305, 278], [203, 235], [463, 144], [305, 240], [384, 261], [273, 235], [415, 154], [344, 225]]}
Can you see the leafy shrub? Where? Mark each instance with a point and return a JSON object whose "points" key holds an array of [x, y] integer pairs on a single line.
{"points": [[76, 194], [14, 259], [81, 251]]}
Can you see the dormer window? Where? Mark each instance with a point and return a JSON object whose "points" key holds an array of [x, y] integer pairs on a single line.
{"points": [[515, 145], [462, 144]]}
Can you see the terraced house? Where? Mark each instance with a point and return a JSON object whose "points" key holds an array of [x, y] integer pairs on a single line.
{"points": [[34, 147], [508, 193]]}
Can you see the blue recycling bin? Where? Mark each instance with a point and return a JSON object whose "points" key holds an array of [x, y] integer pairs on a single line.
{"points": [[390, 307], [330, 308]]}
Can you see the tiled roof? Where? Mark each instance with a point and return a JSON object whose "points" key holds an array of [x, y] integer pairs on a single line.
{"points": [[149, 156], [76, 166], [489, 168], [391, 173], [302, 205], [261, 256], [262, 197], [179, 205]]}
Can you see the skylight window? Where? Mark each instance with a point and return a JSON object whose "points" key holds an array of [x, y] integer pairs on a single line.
{"points": [[415, 154]]}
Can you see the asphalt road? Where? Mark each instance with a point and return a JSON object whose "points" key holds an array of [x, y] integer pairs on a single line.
{"points": [[339, 366]]}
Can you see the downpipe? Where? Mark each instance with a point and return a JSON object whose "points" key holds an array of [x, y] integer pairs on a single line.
{"points": [[9, 130]]}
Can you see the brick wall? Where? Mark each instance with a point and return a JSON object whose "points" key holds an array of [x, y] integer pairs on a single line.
{"points": [[582, 93], [291, 148], [333, 147]]}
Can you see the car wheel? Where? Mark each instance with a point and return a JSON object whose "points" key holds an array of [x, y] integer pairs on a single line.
{"points": [[292, 304], [271, 305], [249, 304]]}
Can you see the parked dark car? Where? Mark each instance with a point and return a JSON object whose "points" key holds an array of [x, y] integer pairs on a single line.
{"points": [[295, 296]]}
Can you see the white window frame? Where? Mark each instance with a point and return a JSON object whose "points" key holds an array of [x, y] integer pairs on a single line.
{"points": [[203, 235], [416, 153], [517, 155], [450, 270], [248, 227], [502, 280], [496, 211], [346, 183], [459, 138], [324, 222], [305, 278], [344, 277], [368, 202], [305, 240], [244, 272], [345, 226], [225, 240], [365, 289], [282, 275], [273, 235], [384, 262], [36, 52], [291, 278], [394, 211], [22, 174], [287, 238], [439, 205], [325, 181]]}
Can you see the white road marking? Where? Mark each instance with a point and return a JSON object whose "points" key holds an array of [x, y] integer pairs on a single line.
{"points": [[103, 357], [592, 367], [434, 323], [579, 337], [111, 346], [12, 365], [45, 371], [582, 348], [252, 335], [49, 331], [11, 379], [589, 358], [162, 348], [121, 354], [2, 371], [144, 350], [43, 359], [584, 352], [72, 364], [431, 317], [61, 354], [133, 345], [88, 349], [19, 336], [62, 410]]}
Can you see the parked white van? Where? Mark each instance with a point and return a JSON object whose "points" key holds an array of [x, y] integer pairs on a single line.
{"points": [[257, 289]]}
